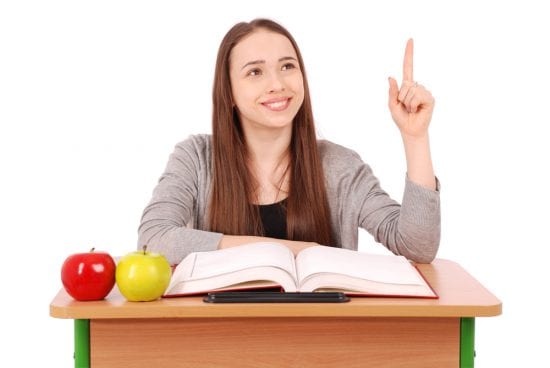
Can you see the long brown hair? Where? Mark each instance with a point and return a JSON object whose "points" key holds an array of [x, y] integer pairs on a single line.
{"points": [[231, 210]]}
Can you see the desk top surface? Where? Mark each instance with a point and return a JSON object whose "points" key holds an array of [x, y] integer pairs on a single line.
{"points": [[460, 295]]}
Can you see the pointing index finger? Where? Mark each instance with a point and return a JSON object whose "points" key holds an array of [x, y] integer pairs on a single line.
{"points": [[408, 62]]}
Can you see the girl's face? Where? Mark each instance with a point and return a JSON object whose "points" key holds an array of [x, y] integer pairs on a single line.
{"points": [[266, 81]]}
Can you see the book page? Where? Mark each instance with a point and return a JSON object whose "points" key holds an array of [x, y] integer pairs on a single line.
{"points": [[378, 268], [250, 278], [354, 286], [219, 262], [236, 264]]}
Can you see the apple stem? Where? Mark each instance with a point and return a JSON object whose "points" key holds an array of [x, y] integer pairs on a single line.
{"points": [[144, 248], [91, 250]]}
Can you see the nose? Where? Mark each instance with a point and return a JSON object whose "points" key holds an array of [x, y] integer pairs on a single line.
{"points": [[276, 83]]}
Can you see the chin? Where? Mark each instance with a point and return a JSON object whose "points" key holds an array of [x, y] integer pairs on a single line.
{"points": [[268, 122], [279, 121], [278, 124]]}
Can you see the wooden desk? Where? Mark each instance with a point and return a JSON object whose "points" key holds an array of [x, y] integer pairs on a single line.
{"points": [[373, 332]]}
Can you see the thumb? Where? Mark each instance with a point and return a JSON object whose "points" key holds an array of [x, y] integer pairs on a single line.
{"points": [[393, 93]]}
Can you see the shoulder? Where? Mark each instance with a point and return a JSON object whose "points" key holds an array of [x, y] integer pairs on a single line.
{"points": [[337, 157], [196, 142], [349, 180], [193, 153], [198, 146], [344, 169]]}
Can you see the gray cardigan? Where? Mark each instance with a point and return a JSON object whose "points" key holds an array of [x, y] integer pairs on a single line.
{"points": [[174, 224]]}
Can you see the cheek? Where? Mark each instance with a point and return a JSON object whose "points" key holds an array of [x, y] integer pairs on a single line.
{"points": [[296, 83], [238, 98], [243, 100]]}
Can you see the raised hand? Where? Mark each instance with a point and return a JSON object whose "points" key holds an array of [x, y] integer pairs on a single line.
{"points": [[412, 105]]}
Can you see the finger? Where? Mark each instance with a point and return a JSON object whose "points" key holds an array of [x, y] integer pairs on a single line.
{"points": [[415, 103], [406, 88], [393, 92], [408, 61], [410, 95], [422, 99]]}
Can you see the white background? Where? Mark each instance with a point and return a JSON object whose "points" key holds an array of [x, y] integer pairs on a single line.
{"points": [[94, 95]]}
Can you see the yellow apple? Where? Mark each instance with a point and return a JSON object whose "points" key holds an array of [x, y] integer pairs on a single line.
{"points": [[143, 276]]}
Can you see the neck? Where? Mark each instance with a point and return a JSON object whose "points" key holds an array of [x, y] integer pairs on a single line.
{"points": [[268, 148], [268, 161]]}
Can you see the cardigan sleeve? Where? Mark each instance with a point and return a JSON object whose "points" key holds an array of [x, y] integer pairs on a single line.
{"points": [[411, 229], [166, 221]]}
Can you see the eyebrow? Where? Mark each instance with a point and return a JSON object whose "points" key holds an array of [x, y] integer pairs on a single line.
{"points": [[263, 61]]}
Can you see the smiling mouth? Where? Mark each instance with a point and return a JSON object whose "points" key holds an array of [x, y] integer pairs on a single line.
{"points": [[279, 105]]}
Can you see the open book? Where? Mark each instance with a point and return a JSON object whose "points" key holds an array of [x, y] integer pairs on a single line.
{"points": [[318, 268]]}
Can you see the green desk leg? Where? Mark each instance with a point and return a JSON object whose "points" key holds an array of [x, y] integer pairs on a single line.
{"points": [[467, 334], [82, 343]]}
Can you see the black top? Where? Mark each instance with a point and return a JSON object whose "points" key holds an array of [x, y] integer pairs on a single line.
{"points": [[274, 219]]}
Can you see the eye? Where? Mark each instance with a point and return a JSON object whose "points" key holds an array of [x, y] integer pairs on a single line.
{"points": [[288, 66], [254, 72]]}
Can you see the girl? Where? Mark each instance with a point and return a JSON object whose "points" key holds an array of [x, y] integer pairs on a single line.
{"points": [[262, 174]]}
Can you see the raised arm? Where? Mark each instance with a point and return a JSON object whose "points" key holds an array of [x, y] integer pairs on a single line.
{"points": [[411, 108], [410, 229]]}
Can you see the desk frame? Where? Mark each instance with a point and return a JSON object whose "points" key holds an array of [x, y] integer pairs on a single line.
{"points": [[82, 343]]}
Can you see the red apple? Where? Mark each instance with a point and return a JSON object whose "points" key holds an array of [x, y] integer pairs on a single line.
{"points": [[88, 276]]}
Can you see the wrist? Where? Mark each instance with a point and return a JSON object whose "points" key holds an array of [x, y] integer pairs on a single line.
{"points": [[415, 140], [419, 162]]}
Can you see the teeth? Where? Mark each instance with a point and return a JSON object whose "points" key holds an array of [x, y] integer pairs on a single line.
{"points": [[276, 105]]}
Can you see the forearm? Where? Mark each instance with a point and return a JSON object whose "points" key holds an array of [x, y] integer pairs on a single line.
{"points": [[175, 242], [228, 241], [419, 161]]}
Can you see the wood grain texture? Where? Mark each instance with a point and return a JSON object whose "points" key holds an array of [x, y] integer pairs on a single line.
{"points": [[276, 342]]}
